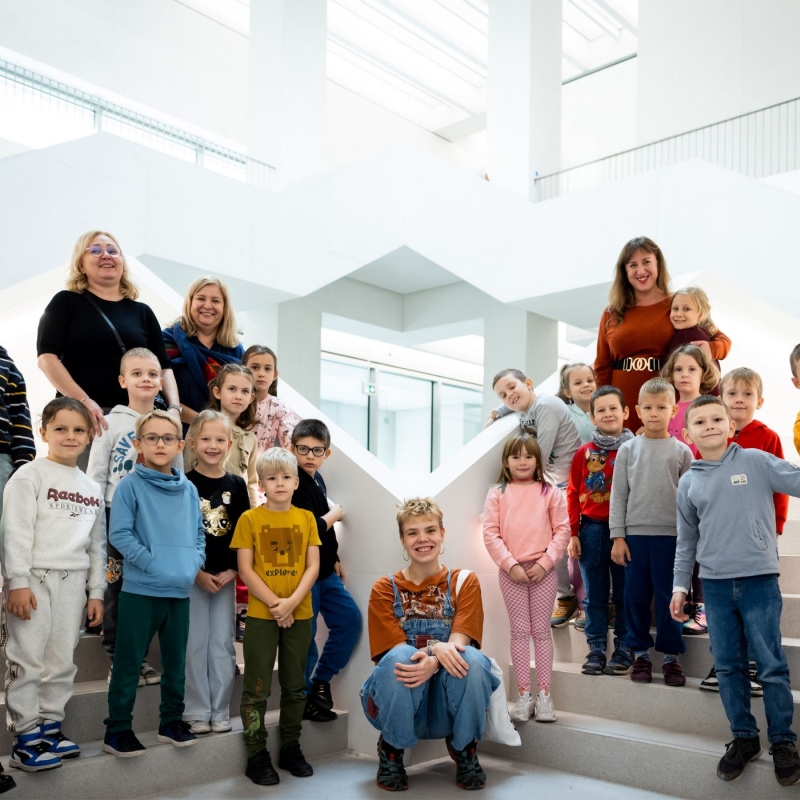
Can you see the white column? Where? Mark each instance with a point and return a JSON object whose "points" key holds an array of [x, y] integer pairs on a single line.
{"points": [[287, 93], [524, 92], [299, 346]]}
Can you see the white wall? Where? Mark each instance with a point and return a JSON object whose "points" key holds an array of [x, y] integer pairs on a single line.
{"points": [[701, 63]]}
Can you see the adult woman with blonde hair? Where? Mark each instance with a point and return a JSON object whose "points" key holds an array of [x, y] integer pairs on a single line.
{"points": [[202, 341], [635, 329], [86, 328]]}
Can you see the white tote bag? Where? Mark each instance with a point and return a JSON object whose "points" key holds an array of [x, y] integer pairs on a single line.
{"points": [[499, 727]]}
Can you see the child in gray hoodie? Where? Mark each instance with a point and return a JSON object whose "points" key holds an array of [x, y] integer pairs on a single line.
{"points": [[726, 521]]}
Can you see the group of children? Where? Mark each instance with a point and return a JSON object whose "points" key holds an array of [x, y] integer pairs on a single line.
{"points": [[159, 551]]}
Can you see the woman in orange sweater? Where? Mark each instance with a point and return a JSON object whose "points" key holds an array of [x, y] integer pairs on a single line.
{"points": [[635, 329]]}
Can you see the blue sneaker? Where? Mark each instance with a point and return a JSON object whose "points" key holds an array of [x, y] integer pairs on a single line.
{"points": [[31, 752], [176, 733], [59, 744], [595, 663], [123, 744], [620, 662]]}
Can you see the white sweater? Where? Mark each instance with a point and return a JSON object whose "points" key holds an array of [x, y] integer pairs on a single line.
{"points": [[53, 518]]}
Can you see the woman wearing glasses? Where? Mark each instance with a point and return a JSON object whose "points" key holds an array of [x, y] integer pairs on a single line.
{"points": [[86, 329]]}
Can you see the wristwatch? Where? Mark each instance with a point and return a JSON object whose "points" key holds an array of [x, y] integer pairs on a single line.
{"points": [[431, 643]]}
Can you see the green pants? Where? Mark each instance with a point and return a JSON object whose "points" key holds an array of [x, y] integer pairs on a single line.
{"points": [[139, 618], [262, 637]]}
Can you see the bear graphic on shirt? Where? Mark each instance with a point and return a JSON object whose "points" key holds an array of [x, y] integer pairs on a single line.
{"points": [[281, 547]]}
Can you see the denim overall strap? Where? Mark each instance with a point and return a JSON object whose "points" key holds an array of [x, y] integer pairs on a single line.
{"points": [[397, 606], [448, 610]]}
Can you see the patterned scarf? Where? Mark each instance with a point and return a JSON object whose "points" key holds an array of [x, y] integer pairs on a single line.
{"points": [[611, 442]]}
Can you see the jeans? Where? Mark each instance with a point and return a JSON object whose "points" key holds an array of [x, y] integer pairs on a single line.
{"points": [[441, 707], [742, 614], [343, 619], [598, 571]]}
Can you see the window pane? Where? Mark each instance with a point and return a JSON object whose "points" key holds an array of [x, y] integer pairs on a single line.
{"points": [[404, 423], [461, 418], [149, 138], [342, 399]]}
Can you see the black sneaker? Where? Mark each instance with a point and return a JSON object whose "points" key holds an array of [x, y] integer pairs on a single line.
{"points": [[7, 783], [756, 687], [787, 763], [595, 663], [260, 769], [321, 694], [391, 772], [291, 758], [240, 618], [620, 662], [315, 713], [176, 733], [123, 744], [469, 773], [710, 682], [738, 754]]}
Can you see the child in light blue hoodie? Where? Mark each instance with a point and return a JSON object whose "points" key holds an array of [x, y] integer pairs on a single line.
{"points": [[726, 521], [157, 526]]}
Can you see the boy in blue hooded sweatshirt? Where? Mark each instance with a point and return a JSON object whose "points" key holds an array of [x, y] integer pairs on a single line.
{"points": [[726, 521], [157, 526]]}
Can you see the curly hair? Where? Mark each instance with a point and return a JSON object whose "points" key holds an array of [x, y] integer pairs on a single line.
{"points": [[418, 507]]}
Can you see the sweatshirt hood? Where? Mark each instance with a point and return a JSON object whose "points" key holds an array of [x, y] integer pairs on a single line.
{"points": [[125, 411], [158, 480], [750, 428], [730, 455]]}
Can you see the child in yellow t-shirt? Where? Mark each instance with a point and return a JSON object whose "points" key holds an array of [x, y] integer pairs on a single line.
{"points": [[278, 559]]}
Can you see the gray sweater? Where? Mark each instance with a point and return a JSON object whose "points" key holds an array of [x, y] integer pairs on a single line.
{"points": [[726, 515], [645, 485]]}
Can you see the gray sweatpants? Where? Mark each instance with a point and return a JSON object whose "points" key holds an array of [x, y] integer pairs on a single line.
{"points": [[40, 651], [210, 654]]}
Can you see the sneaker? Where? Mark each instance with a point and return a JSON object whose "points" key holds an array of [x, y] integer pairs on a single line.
{"points": [[642, 671], [141, 677], [391, 772], [7, 783], [738, 754], [198, 726], [240, 618], [31, 752], [469, 773], [565, 610], [220, 726], [673, 673], [59, 744], [176, 733], [292, 759], [620, 662], [148, 675], [123, 744], [523, 709], [696, 624], [787, 763], [595, 663], [580, 621], [544, 711], [710, 682], [612, 616], [320, 693], [260, 769], [314, 713], [756, 687]]}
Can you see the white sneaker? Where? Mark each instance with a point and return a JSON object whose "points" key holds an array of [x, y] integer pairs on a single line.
{"points": [[544, 711], [199, 726], [523, 710], [220, 725]]}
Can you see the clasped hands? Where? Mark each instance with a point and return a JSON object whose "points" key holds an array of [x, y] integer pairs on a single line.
{"points": [[446, 654]]}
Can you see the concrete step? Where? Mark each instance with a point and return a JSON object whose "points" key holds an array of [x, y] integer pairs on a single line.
{"points": [[97, 775], [93, 662], [686, 709], [789, 541], [790, 573], [643, 756]]}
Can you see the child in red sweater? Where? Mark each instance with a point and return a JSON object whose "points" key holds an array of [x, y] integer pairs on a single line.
{"points": [[588, 495]]}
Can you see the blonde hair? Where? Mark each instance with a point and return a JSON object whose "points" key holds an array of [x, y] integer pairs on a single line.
{"points": [[743, 375], [703, 307], [621, 296], [657, 387], [157, 414], [77, 281], [274, 461], [563, 380], [137, 352], [209, 415], [418, 507], [226, 333], [710, 376]]}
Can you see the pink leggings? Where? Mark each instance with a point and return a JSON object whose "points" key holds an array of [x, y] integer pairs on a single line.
{"points": [[530, 607]]}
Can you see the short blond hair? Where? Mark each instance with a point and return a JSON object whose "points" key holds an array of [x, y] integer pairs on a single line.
{"points": [[418, 507], [209, 415], [77, 281], [743, 375], [274, 461], [156, 414], [226, 333], [657, 387], [137, 352]]}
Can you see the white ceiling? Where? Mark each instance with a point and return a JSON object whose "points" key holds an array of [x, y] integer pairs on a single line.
{"points": [[404, 271]]}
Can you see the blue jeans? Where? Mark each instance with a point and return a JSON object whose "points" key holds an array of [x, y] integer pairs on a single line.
{"points": [[648, 578], [598, 570], [343, 619], [441, 707], [742, 614]]}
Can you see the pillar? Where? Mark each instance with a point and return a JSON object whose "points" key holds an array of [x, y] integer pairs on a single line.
{"points": [[299, 346]]}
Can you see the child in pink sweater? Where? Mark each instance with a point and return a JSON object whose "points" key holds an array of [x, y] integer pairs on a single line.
{"points": [[526, 531]]}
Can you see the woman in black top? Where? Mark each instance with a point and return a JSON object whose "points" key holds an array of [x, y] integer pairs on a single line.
{"points": [[78, 350]]}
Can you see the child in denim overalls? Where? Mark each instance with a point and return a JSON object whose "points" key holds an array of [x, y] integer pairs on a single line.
{"points": [[431, 681]]}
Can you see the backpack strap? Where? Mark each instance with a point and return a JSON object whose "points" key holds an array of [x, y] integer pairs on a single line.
{"points": [[462, 576]]}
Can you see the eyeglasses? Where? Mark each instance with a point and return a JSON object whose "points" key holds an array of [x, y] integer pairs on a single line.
{"points": [[96, 250], [304, 450], [153, 438]]}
